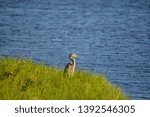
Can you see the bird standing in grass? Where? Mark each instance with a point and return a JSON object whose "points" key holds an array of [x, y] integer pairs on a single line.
{"points": [[70, 67]]}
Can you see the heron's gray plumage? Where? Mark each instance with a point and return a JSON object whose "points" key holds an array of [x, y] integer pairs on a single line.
{"points": [[70, 67]]}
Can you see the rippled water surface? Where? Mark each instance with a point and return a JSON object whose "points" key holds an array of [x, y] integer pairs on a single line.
{"points": [[112, 37]]}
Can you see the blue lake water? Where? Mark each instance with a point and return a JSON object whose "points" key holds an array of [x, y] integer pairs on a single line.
{"points": [[111, 36]]}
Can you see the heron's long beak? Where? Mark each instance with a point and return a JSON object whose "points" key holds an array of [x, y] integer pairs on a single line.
{"points": [[77, 56]]}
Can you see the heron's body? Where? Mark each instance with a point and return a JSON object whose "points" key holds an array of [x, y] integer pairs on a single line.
{"points": [[70, 67]]}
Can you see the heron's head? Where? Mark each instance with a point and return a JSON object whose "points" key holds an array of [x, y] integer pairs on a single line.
{"points": [[73, 55]]}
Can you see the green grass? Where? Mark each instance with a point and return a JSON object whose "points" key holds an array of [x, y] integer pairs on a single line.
{"points": [[24, 79]]}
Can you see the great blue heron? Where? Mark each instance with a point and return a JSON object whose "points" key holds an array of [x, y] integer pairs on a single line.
{"points": [[70, 67]]}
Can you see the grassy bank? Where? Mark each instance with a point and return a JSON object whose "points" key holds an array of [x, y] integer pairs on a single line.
{"points": [[23, 79]]}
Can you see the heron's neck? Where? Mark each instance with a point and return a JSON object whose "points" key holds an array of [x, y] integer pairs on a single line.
{"points": [[73, 62]]}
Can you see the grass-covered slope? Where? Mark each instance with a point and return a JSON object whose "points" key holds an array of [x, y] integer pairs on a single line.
{"points": [[23, 79]]}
